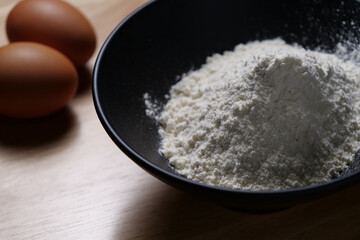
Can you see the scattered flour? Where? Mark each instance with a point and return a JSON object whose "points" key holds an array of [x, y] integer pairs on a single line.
{"points": [[153, 107], [265, 116]]}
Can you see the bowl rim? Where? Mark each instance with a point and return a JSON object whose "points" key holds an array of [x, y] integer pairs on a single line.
{"points": [[325, 187]]}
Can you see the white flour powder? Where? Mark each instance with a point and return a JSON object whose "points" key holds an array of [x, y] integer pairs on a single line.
{"points": [[265, 116]]}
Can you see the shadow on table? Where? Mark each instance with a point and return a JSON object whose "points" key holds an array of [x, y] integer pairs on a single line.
{"points": [[176, 215], [30, 133], [85, 75]]}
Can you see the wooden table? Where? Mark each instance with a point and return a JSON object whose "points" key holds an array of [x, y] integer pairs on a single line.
{"points": [[61, 177]]}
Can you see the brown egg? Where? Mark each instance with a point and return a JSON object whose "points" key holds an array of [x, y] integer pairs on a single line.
{"points": [[54, 23], [35, 80]]}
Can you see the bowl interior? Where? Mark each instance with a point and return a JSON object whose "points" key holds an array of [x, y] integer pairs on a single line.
{"points": [[150, 50]]}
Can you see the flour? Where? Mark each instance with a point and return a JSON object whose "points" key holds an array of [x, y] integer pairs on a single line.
{"points": [[153, 107], [265, 116]]}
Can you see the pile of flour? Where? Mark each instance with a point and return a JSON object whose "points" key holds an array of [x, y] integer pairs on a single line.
{"points": [[265, 116]]}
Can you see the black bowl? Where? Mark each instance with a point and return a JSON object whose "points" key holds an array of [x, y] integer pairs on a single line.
{"points": [[166, 38]]}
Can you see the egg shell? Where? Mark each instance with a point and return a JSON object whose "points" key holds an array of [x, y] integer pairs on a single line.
{"points": [[35, 80], [54, 23]]}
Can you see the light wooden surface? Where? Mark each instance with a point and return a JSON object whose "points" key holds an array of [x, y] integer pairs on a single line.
{"points": [[62, 178]]}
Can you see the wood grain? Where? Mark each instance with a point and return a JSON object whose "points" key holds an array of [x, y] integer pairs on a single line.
{"points": [[61, 177]]}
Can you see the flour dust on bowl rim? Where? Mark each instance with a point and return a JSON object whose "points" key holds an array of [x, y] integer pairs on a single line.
{"points": [[164, 39]]}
